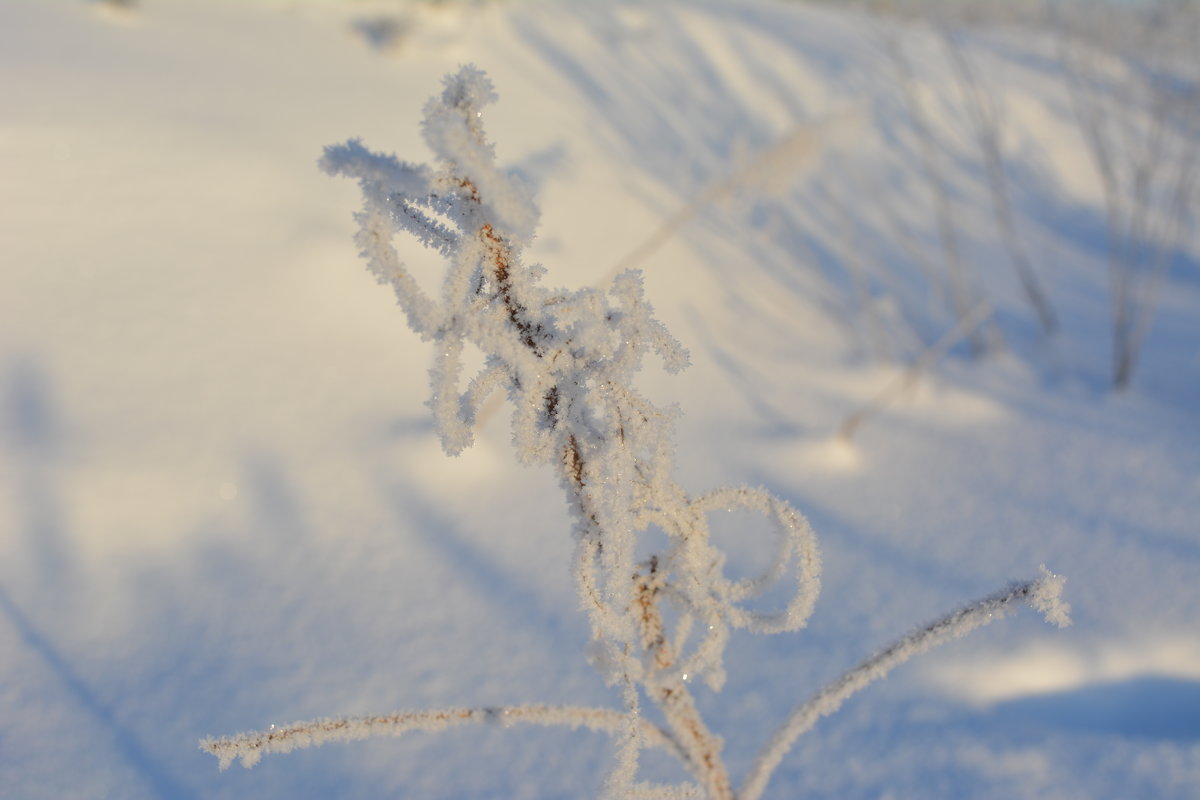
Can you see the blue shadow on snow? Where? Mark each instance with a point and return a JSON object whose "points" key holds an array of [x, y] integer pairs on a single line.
{"points": [[1144, 707]]}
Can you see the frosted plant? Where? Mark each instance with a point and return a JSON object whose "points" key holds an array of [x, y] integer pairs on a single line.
{"points": [[566, 360]]}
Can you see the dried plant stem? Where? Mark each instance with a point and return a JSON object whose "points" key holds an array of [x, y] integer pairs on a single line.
{"points": [[251, 747], [697, 746], [1042, 594], [700, 745]]}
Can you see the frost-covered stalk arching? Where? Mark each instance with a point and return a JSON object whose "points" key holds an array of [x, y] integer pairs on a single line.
{"points": [[566, 360]]}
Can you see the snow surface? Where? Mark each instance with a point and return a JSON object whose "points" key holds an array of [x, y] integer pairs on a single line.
{"points": [[223, 505]]}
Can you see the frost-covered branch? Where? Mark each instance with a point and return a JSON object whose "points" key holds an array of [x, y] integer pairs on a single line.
{"points": [[249, 748], [566, 360], [1043, 594]]}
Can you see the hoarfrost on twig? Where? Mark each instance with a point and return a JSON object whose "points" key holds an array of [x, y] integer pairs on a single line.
{"points": [[566, 360]]}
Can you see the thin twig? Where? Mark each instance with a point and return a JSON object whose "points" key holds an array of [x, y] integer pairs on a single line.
{"points": [[1043, 594], [250, 747]]}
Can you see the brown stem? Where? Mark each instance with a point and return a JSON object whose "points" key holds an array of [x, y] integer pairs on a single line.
{"points": [[499, 256], [702, 746]]}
